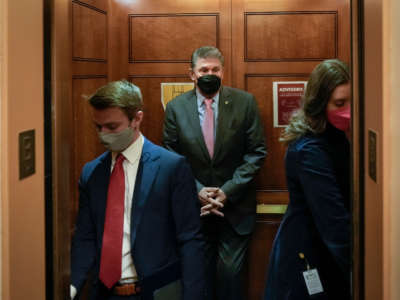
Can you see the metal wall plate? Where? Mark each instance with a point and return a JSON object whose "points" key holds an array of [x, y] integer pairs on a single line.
{"points": [[26, 153]]}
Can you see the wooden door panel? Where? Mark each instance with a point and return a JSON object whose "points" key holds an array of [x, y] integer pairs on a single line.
{"points": [[89, 33], [152, 123], [282, 40], [282, 36], [258, 254], [290, 36], [271, 177], [83, 69], [149, 34]]}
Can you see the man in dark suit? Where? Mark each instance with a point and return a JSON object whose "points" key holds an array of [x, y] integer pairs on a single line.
{"points": [[218, 130], [138, 219]]}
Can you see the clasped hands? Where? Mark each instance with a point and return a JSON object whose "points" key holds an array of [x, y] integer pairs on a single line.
{"points": [[212, 199]]}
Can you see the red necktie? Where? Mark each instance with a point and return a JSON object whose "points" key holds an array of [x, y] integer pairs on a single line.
{"points": [[208, 126], [111, 251]]}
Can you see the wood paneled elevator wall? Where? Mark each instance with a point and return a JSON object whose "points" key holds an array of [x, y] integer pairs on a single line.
{"points": [[150, 42]]}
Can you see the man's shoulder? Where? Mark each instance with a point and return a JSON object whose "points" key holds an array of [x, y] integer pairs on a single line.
{"points": [[235, 92], [99, 159], [164, 154], [92, 165], [239, 99]]}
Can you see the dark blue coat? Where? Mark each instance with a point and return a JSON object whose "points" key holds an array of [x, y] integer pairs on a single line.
{"points": [[317, 221], [165, 220]]}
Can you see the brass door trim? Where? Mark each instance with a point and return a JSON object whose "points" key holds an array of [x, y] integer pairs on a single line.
{"points": [[279, 209]]}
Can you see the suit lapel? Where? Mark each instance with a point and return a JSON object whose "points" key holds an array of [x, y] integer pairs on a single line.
{"points": [[147, 171], [224, 116], [192, 112]]}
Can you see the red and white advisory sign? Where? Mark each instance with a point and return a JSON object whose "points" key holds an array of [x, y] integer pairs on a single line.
{"points": [[287, 98]]}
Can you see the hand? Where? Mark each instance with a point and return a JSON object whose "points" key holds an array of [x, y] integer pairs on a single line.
{"points": [[207, 193], [212, 207], [220, 196], [212, 199], [209, 209]]}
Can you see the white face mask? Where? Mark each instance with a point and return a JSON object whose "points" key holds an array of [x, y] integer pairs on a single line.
{"points": [[117, 142]]}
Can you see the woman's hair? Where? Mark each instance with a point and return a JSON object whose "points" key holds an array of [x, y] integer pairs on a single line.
{"points": [[311, 117]]}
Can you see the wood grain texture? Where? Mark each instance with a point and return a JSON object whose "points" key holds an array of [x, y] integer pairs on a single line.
{"points": [[258, 254], [170, 37], [86, 143], [294, 36], [89, 33], [272, 175], [150, 86], [84, 68]]}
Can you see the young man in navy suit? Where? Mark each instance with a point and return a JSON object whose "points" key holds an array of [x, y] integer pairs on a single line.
{"points": [[138, 218]]}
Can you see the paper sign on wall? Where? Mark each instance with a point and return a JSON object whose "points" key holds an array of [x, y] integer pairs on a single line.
{"points": [[169, 90], [287, 98]]}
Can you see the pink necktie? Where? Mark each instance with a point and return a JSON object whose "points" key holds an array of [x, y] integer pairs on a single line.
{"points": [[208, 126], [111, 251]]}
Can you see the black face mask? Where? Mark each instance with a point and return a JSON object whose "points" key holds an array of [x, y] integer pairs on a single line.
{"points": [[209, 84]]}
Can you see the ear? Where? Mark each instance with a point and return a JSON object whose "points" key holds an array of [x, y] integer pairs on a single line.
{"points": [[192, 75], [135, 123], [139, 116]]}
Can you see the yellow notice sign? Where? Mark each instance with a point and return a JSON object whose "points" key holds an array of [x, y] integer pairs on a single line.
{"points": [[169, 90]]}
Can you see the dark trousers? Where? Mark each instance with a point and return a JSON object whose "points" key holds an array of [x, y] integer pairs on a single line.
{"points": [[225, 256]]}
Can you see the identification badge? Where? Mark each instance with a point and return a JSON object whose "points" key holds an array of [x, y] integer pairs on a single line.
{"points": [[313, 282]]}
